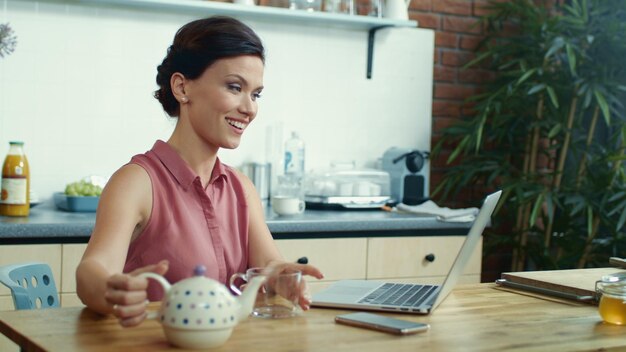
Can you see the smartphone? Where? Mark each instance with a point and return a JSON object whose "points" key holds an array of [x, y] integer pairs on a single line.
{"points": [[381, 323]]}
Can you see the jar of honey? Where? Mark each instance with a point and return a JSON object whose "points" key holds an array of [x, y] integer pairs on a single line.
{"points": [[611, 291], [14, 197]]}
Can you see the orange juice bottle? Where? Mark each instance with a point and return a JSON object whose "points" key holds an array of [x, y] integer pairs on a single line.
{"points": [[14, 200]]}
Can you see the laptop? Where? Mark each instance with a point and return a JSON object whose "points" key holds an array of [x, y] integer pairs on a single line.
{"points": [[406, 298]]}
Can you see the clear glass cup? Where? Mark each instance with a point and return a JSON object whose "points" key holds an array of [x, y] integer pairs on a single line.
{"points": [[279, 296]]}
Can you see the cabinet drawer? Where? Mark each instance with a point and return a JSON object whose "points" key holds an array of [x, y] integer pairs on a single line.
{"points": [[337, 258], [406, 256], [70, 300], [45, 253], [72, 253]]}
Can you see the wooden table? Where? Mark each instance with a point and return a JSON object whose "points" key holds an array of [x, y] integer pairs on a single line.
{"points": [[480, 317]]}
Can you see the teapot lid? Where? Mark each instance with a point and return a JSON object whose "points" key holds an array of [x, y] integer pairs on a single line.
{"points": [[199, 270]]}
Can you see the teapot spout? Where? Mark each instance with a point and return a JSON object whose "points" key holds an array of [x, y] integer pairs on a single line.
{"points": [[248, 296]]}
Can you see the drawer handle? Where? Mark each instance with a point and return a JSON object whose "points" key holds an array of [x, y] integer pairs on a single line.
{"points": [[430, 257], [303, 260]]}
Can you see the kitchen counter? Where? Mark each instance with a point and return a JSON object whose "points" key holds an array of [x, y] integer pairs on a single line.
{"points": [[47, 224]]}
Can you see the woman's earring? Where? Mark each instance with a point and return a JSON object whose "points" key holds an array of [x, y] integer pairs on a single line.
{"points": [[184, 99]]}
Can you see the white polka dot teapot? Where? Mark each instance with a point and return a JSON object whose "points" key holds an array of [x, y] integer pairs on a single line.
{"points": [[199, 312]]}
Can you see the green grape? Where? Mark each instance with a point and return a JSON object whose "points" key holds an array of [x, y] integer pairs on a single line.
{"points": [[83, 188]]}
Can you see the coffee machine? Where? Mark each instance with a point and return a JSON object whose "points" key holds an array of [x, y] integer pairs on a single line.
{"points": [[408, 173]]}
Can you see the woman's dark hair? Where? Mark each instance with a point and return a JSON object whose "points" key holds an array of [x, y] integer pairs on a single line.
{"points": [[197, 45]]}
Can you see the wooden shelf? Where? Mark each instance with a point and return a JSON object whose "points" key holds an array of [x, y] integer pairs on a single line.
{"points": [[265, 13]]}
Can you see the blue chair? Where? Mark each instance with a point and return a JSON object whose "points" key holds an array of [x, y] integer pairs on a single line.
{"points": [[32, 285]]}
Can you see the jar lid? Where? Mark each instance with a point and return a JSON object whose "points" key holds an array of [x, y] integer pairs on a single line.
{"points": [[614, 278], [613, 284]]}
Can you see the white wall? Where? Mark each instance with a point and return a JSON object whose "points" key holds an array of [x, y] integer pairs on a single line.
{"points": [[77, 90]]}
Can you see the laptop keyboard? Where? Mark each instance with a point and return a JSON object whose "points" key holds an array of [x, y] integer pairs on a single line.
{"points": [[402, 295]]}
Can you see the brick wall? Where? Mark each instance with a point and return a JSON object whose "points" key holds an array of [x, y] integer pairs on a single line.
{"points": [[456, 38]]}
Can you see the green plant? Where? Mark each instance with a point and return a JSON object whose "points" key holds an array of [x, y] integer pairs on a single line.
{"points": [[7, 40], [549, 131]]}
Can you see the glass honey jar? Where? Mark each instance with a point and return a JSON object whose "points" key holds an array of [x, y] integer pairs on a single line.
{"points": [[611, 292]]}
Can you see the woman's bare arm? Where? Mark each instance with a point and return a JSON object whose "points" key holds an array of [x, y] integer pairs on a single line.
{"points": [[123, 208]]}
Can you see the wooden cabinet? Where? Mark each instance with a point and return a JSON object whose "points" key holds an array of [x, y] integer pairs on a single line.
{"points": [[62, 258], [401, 259], [46, 253], [337, 258], [425, 259], [72, 253], [419, 258]]}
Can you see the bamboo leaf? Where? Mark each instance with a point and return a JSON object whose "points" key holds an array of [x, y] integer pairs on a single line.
{"points": [[536, 88], [550, 208], [553, 98], [571, 58], [622, 220], [525, 76], [557, 44], [589, 221], [458, 149], [554, 130], [617, 196], [603, 106], [478, 59], [536, 207], [616, 158]]}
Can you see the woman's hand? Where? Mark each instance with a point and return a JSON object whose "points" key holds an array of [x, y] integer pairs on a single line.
{"points": [[304, 298], [128, 296]]}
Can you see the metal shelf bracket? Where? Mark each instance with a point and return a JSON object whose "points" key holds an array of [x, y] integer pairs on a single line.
{"points": [[370, 48]]}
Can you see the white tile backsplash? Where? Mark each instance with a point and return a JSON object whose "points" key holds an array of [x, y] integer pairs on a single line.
{"points": [[78, 89]]}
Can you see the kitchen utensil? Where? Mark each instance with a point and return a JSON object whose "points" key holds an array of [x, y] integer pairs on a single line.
{"points": [[397, 9], [260, 175], [347, 187], [199, 312]]}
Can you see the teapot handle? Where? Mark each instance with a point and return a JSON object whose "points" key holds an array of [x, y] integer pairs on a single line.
{"points": [[161, 280], [234, 287]]}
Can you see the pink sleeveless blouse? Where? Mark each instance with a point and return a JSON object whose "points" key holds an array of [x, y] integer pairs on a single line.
{"points": [[189, 225]]}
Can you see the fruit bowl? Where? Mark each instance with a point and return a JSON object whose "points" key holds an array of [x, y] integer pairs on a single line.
{"points": [[79, 204]]}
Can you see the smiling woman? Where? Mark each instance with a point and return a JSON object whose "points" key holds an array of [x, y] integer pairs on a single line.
{"points": [[177, 206]]}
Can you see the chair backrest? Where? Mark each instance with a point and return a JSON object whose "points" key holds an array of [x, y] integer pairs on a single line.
{"points": [[32, 285]]}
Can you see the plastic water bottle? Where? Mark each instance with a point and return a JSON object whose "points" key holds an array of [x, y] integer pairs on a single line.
{"points": [[294, 156]]}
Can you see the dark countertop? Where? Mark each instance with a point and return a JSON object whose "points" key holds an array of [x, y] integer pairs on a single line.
{"points": [[46, 224]]}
